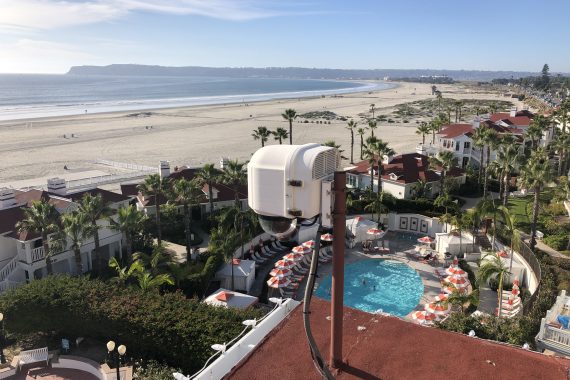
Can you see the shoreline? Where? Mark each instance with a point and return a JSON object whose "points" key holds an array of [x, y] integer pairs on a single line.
{"points": [[142, 105], [196, 135]]}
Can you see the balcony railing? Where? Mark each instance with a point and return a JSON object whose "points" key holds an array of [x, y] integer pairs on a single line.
{"points": [[556, 335], [37, 254]]}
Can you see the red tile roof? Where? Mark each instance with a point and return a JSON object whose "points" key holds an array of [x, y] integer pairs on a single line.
{"points": [[409, 167], [454, 130], [389, 348], [522, 118]]}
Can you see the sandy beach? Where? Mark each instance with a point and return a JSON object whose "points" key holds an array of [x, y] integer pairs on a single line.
{"points": [[197, 135]]}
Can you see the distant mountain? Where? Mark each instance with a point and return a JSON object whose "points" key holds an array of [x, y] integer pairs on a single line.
{"points": [[289, 72]]}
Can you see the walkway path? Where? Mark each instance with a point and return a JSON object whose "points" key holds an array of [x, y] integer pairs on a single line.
{"points": [[53, 374]]}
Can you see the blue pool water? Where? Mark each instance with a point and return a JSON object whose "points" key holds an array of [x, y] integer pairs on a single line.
{"points": [[391, 286]]}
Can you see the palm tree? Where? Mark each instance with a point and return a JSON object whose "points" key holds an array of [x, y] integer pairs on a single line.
{"points": [[479, 138], [208, 175], [290, 115], [510, 228], [536, 174], [444, 161], [41, 217], [148, 282], [179, 273], [533, 134], [372, 125], [423, 129], [439, 97], [361, 132], [262, 134], [382, 149], [235, 175], [492, 265], [78, 228], [490, 141], [488, 207], [94, 208], [127, 272], [156, 260], [380, 203], [155, 186], [458, 224], [370, 155], [433, 127], [351, 126], [461, 299], [562, 115], [508, 159], [561, 145], [421, 188], [186, 194], [280, 134], [372, 109], [130, 222], [224, 242], [444, 200]]}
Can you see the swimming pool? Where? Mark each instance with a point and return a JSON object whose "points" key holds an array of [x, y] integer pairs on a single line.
{"points": [[373, 284]]}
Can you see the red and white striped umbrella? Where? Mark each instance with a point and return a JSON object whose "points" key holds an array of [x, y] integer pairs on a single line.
{"points": [[276, 282], [426, 240], [422, 316], [293, 256], [285, 264], [516, 291], [280, 273], [309, 244], [358, 219], [374, 232], [301, 249], [455, 270], [503, 254], [516, 281], [459, 282], [327, 237], [441, 297], [437, 308]]}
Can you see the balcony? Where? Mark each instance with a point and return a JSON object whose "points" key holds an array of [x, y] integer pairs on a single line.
{"points": [[37, 254], [552, 335]]}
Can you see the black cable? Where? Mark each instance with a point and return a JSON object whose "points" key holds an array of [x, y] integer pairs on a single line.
{"points": [[315, 353]]}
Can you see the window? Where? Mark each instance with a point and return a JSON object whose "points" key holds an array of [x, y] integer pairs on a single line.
{"points": [[456, 147], [466, 145]]}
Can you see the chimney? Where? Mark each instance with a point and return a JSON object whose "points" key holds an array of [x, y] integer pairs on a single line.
{"points": [[56, 186], [223, 162], [164, 169], [386, 159], [7, 198], [513, 111], [476, 122]]}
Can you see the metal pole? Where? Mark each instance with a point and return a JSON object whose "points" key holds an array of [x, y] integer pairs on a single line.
{"points": [[118, 365], [339, 232], [2, 357]]}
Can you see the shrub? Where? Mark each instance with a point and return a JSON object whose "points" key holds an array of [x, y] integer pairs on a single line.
{"points": [[148, 323], [557, 242]]}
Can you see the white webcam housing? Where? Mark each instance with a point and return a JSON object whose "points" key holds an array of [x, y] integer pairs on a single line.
{"points": [[285, 182]]}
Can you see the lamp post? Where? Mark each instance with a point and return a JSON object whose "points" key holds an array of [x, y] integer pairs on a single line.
{"points": [[121, 350], [2, 357]]}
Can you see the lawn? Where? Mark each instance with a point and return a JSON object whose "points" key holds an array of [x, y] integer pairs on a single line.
{"points": [[518, 208]]}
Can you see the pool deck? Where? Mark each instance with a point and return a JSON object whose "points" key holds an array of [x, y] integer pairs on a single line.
{"points": [[432, 285]]}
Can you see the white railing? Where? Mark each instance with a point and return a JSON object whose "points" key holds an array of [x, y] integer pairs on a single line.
{"points": [[124, 165], [37, 254], [557, 335], [8, 268], [106, 179]]}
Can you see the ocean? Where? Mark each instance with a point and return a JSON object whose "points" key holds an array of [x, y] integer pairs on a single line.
{"points": [[33, 96]]}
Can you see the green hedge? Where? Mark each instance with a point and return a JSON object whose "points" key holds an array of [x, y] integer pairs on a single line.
{"points": [[557, 242], [168, 328]]}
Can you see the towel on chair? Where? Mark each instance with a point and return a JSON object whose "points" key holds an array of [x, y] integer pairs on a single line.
{"points": [[564, 320]]}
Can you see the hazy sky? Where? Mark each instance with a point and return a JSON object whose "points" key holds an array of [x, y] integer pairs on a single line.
{"points": [[49, 36]]}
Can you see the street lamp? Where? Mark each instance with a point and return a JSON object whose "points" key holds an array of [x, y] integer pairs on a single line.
{"points": [[2, 357], [121, 350]]}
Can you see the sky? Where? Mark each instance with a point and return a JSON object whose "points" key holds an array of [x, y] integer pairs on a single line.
{"points": [[50, 36]]}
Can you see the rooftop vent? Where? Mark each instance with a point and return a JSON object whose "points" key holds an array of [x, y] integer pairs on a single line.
{"points": [[56, 186]]}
